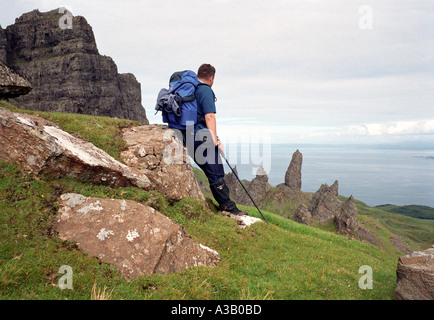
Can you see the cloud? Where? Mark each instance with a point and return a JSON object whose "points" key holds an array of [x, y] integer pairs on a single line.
{"points": [[303, 69], [397, 128]]}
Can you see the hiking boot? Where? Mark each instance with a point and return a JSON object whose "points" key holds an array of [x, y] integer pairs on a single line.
{"points": [[235, 212]]}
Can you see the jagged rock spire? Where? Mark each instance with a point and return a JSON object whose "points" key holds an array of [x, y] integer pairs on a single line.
{"points": [[293, 174]]}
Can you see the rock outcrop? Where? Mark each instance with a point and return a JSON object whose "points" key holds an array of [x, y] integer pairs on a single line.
{"points": [[347, 224], [12, 85], [259, 185], [136, 239], [66, 70], [415, 276], [325, 203], [41, 146], [345, 220], [157, 152], [293, 174], [236, 190], [302, 215], [257, 188]]}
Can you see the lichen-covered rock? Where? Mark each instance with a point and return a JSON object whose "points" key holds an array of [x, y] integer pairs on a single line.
{"points": [[136, 239], [66, 70], [41, 146], [157, 152]]}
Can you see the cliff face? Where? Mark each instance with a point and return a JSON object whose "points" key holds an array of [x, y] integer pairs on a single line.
{"points": [[11, 84], [66, 70]]}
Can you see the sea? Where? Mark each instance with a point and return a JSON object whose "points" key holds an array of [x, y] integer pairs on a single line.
{"points": [[375, 175]]}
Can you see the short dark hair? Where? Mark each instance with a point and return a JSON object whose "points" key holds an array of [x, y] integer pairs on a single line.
{"points": [[205, 71]]}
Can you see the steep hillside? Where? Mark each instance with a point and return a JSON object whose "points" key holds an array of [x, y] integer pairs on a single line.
{"points": [[283, 260]]}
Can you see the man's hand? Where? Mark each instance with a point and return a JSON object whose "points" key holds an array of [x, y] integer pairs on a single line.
{"points": [[221, 147]]}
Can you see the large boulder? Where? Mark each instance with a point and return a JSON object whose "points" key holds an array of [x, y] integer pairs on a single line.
{"points": [[136, 239], [158, 152], [415, 276], [12, 85], [41, 146]]}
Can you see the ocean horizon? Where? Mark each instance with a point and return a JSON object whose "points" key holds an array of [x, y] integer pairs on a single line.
{"points": [[374, 174]]}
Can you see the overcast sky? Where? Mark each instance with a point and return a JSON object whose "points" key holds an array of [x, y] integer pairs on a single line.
{"points": [[293, 71]]}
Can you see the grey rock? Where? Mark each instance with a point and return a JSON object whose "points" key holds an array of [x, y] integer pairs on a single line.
{"points": [[12, 85], [325, 203], [302, 215], [135, 238], [347, 224], [157, 152], [293, 174], [41, 146], [66, 70], [415, 276]]}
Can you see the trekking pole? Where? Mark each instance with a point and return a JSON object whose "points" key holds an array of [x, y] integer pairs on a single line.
{"points": [[233, 171]]}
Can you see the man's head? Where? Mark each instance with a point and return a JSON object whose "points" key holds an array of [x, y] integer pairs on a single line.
{"points": [[206, 74]]}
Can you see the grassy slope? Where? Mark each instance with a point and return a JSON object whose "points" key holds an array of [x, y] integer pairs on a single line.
{"points": [[284, 260], [420, 212], [420, 232]]}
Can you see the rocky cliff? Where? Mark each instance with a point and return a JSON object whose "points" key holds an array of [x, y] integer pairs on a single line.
{"points": [[66, 71]]}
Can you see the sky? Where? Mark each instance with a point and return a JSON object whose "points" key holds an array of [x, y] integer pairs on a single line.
{"points": [[302, 71]]}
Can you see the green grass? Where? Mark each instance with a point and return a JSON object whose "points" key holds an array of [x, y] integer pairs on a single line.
{"points": [[420, 232], [283, 260], [419, 212]]}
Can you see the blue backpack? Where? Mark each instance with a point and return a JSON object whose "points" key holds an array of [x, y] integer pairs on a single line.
{"points": [[178, 103]]}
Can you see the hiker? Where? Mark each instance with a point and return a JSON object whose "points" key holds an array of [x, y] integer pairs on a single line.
{"points": [[206, 127], [190, 101]]}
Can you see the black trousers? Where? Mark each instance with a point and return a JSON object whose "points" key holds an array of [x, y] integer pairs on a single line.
{"points": [[207, 157]]}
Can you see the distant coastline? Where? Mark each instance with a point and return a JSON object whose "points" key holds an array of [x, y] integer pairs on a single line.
{"points": [[375, 174]]}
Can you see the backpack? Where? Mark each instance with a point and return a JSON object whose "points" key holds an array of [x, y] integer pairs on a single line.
{"points": [[178, 103]]}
